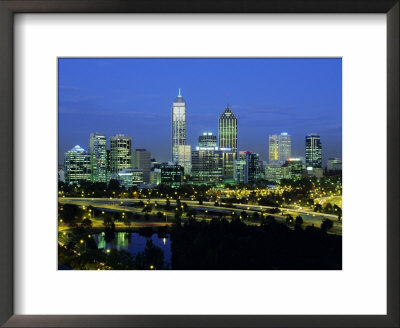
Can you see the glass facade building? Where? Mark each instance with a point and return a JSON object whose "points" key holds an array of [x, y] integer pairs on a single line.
{"points": [[172, 175], [294, 169], [120, 153], [207, 165], [313, 152], [208, 140], [98, 153], [178, 126], [280, 148], [128, 178], [227, 140], [77, 166]]}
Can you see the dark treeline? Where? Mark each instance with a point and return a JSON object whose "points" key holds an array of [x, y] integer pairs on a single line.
{"points": [[224, 245]]}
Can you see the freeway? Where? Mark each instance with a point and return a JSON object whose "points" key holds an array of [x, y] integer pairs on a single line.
{"points": [[124, 204]]}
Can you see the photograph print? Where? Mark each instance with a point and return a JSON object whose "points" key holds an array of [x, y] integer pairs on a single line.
{"points": [[199, 164]]}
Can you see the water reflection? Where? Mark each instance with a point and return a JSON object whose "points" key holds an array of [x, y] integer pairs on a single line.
{"points": [[133, 243]]}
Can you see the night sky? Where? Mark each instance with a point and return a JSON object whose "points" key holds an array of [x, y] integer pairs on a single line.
{"points": [[134, 97]]}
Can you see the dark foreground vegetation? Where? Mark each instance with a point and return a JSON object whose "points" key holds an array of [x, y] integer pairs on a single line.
{"points": [[219, 244], [223, 245]]}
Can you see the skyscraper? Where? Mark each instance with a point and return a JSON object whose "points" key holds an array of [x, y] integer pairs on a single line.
{"points": [[313, 152], [227, 139], [208, 140], [76, 165], [98, 157], [141, 160], [227, 130], [249, 161], [120, 153], [185, 158], [178, 135], [273, 148], [280, 148]]}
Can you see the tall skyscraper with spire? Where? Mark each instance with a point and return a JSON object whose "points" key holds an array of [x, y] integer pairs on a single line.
{"points": [[227, 140], [180, 151], [227, 130]]}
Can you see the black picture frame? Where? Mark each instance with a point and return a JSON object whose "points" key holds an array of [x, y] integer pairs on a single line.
{"points": [[10, 7]]}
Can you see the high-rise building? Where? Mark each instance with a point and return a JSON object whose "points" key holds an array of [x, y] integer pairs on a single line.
{"points": [[273, 152], [334, 165], [294, 169], [141, 160], [178, 133], [172, 175], [76, 165], [227, 130], [206, 165], [240, 170], [208, 140], [280, 148], [120, 153], [227, 140], [98, 154], [251, 167], [313, 152], [185, 158]]}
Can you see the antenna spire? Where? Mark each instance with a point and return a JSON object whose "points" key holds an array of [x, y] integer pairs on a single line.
{"points": [[179, 93], [227, 100]]}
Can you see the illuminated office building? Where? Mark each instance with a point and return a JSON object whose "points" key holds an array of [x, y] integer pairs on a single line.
{"points": [[280, 148], [227, 130], [247, 168], [120, 153], [206, 165], [185, 158], [227, 140], [239, 168], [294, 169], [77, 166], [98, 154], [273, 172], [208, 140], [172, 175], [130, 177], [313, 152], [178, 125]]}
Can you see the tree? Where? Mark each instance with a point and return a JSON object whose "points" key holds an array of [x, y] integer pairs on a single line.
{"points": [[299, 221], [113, 185], [108, 221], [256, 215], [69, 212], [326, 225], [289, 219], [328, 208], [86, 224], [318, 208], [128, 219], [243, 215]]}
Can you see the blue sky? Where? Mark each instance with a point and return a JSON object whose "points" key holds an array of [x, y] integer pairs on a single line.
{"points": [[134, 96]]}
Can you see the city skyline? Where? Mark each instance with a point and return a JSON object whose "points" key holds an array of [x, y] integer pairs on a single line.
{"points": [[252, 134]]}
